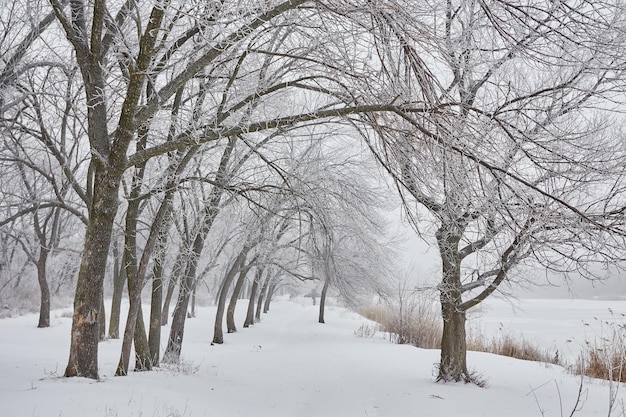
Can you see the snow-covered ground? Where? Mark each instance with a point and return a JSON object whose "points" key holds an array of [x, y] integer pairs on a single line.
{"points": [[289, 365], [565, 325]]}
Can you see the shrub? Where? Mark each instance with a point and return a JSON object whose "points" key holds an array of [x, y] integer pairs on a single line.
{"points": [[411, 318]]}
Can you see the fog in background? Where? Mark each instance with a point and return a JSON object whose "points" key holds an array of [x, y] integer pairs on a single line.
{"points": [[422, 266]]}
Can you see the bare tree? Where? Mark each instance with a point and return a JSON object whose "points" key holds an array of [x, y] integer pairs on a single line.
{"points": [[515, 165]]}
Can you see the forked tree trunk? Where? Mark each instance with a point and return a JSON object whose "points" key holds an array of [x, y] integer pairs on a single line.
{"points": [[231, 327], [134, 329], [218, 333], [323, 300], [177, 330], [89, 41]]}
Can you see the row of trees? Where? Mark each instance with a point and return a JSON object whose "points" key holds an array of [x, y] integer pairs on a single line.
{"points": [[223, 127], [205, 120]]}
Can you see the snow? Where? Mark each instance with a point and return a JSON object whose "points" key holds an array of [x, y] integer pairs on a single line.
{"points": [[286, 365], [564, 325]]}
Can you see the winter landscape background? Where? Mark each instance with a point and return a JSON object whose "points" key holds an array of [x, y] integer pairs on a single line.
{"points": [[453, 169]]}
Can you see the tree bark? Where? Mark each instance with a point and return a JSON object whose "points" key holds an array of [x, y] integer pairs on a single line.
{"points": [[192, 312], [119, 280], [453, 364], [154, 335], [83, 359], [175, 340], [262, 293], [268, 297], [323, 300], [44, 289], [135, 327], [143, 359], [108, 164], [231, 327], [253, 294], [179, 266], [177, 329], [102, 320]]}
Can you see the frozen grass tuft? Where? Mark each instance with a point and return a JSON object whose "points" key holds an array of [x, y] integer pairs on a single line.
{"points": [[181, 367], [412, 320], [367, 330], [507, 345], [605, 358]]}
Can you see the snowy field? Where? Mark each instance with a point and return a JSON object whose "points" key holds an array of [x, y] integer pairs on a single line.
{"points": [[290, 366], [564, 325]]}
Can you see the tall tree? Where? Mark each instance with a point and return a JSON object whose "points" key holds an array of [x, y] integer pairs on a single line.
{"points": [[516, 163]]}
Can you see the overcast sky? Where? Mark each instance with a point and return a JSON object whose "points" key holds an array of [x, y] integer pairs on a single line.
{"points": [[422, 264]]}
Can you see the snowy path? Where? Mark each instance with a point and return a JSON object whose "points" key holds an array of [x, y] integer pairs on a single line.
{"points": [[287, 365]]}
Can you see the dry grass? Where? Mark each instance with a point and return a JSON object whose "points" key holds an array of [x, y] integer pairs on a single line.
{"points": [[597, 363], [420, 325], [507, 345], [415, 324], [606, 357]]}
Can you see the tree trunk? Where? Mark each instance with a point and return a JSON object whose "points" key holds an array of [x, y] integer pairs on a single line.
{"points": [[230, 311], [175, 340], [262, 293], [177, 329], [119, 280], [143, 358], [323, 299], [171, 286], [192, 313], [83, 358], [135, 327], [453, 365], [255, 286], [44, 289], [268, 298], [218, 333], [154, 335]]}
